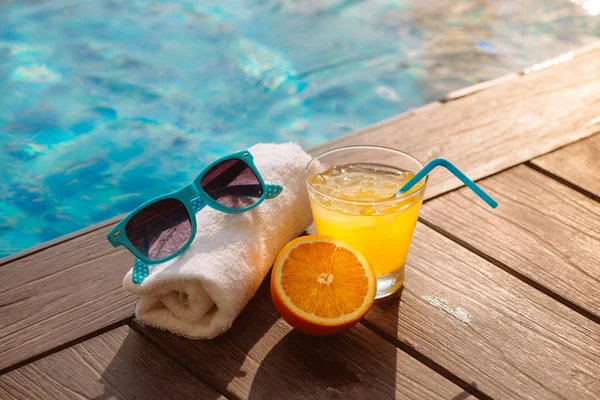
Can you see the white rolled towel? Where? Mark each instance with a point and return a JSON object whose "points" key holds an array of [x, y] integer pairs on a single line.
{"points": [[201, 292]]}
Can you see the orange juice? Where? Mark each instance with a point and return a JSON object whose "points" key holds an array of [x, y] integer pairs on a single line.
{"points": [[358, 204]]}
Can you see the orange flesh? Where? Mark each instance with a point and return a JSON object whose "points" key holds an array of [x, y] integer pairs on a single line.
{"points": [[331, 285]]}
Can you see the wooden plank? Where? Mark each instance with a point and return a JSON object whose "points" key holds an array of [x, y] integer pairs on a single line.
{"points": [[72, 288], [373, 131], [542, 229], [494, 129], [488, 327], [60, 239], [118, 364], [561, 58], [578, 164], [261, 357], [478, 87], [57, 295]]}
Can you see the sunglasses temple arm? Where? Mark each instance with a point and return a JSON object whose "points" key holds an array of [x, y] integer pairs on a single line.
{"points": [[113, 240], [273, 191], [140, 269]]}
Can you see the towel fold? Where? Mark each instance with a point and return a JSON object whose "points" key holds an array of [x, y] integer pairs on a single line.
{"points": [[201, 292]]}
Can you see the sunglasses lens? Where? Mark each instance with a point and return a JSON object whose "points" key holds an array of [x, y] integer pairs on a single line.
{"points": [[160, 229], [233, 184]]}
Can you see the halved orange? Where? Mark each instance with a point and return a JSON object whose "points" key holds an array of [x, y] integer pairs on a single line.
{"points": [[321, 286]]}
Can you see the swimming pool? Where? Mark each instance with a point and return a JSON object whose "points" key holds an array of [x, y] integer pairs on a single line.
{"points": [[105, 104]]}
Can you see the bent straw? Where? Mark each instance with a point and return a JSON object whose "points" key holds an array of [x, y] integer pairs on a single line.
{"points": [[450, 167]]}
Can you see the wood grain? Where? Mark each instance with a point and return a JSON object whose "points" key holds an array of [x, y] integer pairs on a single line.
{"points": [[494, 129], [578, 163], [60, 239], [260, 357], [488, 327], [56, 295], [541, 229], [478, 87], [119, 364]]}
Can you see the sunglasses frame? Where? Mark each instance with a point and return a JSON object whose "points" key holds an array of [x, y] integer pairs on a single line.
{"points": [[194, 198]]}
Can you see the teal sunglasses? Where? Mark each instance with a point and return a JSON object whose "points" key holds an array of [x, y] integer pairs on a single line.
{"points": [[164, 227]]}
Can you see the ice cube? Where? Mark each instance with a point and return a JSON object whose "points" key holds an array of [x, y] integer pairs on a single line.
{"points": [[335, 170], [346, 181], [368, 183], [320, 180], [367, 211]]}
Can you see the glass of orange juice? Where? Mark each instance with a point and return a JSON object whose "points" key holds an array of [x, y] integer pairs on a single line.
{"points": [[353, 197]]}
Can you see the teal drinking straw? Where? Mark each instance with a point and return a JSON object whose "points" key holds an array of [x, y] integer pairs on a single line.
{"points": [[450, 167]]}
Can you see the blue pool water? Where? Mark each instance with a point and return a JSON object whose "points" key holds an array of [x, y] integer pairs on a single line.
{"points": [[107, 103]]}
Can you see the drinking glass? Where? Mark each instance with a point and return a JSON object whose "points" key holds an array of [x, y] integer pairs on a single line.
{"points": [[353, 197]]}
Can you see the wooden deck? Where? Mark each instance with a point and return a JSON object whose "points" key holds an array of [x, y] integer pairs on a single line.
{"points": [[527, 274]]}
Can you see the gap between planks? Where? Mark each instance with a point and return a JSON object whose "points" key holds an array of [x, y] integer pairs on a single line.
{"points": [[411, 352], [59, 240], [529, 281], [405, 348], [446, 99], [99, 332], [66, 345], [563, 181], [530, 164], [117, 364], [535, 285], [427, 361], [136, 328], [523, 278]]}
